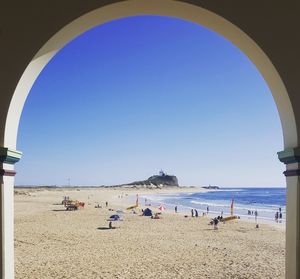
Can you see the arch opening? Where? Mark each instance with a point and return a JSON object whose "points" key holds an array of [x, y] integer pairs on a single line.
{"points": [[167, 8]]}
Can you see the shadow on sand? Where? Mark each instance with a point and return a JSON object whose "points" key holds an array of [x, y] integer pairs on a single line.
{"points": [[106, 228]]}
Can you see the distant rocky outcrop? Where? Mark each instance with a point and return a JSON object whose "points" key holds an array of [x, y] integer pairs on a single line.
{"points": [[158, 180], [211, 187]]}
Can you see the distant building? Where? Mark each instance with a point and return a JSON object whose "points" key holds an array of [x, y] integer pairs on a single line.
{"points": [[162, 173]]}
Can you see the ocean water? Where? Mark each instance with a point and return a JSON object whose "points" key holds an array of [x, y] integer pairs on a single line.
{"points": [[266, 201]]}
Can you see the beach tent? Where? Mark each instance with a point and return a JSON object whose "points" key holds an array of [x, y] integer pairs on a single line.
{"points": [[162, 208], [147, 212]]}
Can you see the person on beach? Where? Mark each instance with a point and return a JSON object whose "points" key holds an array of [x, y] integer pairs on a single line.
{"points": [[256, 215], [280, 213], [196, 213], [215, 221], [176, 209], [106, 203], [276, 216], [192, 212], [207, 209]]}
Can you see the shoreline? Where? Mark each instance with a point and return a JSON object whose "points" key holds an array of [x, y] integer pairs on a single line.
{"points": [[211, 214], [130, 197]]}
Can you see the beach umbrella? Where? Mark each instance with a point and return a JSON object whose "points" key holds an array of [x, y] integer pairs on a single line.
{"points": [[115, 217], [162, 208]]}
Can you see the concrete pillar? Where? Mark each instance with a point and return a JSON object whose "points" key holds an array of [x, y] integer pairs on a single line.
{"points": [[7, 160], [291, 157]]}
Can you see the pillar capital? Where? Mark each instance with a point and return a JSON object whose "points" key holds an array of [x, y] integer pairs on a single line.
{"points": [[9, 156], [290, 157]]}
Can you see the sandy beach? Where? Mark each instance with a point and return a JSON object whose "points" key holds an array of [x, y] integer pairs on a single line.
{"points": [[51, 242]]}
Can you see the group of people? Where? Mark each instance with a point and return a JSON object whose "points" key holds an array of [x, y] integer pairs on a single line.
{"points": [[194, 213], [255, 213], [251, 212], [215, 221]]}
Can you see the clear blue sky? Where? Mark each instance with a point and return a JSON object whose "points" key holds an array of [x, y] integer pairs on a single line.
{"points": [[140, 94]]}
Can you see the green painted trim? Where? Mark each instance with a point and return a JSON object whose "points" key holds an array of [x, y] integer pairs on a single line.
{"points": [[9, 156], [289, 155]]}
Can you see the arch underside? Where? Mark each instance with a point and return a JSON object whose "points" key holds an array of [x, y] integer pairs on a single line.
{"points": [[169, 8]]}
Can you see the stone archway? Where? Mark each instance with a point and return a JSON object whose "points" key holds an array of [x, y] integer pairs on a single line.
{"points": [[85, 20]]}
